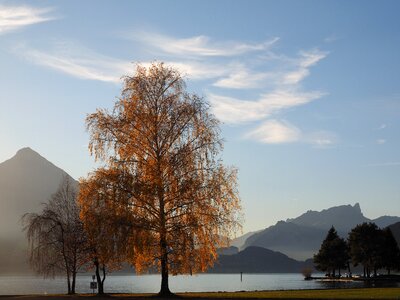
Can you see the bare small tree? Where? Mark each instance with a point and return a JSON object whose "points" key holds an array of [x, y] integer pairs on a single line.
{"points": [[57, 240]]}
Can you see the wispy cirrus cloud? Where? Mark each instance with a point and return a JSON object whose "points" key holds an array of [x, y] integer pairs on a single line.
{"points": [[77, 61], [223, 67], [243, 78], [198, 45], [16, 17], [235, 111]]}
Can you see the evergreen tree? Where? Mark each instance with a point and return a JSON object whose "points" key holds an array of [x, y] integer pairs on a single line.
{"points": [[333, 254]]}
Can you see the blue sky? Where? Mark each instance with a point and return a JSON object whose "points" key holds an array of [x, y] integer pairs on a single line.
{"points": [[308, 91]]}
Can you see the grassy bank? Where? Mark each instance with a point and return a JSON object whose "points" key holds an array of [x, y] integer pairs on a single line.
{"points": [[367, 293]]}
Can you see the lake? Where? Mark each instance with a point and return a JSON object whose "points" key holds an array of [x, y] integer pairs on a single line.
{"points": [[151, 283]]}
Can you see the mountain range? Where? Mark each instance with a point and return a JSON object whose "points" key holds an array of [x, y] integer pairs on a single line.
{"points": [[301, 237], [27, 180]]}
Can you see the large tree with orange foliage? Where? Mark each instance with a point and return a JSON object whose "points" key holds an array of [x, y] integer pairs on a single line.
{"points": [[163, 185], [101, 227]]}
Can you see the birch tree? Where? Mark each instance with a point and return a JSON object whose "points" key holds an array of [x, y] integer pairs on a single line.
{"points": [[163, 177]]}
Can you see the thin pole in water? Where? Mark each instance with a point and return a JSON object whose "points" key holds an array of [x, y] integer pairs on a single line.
{"points": [[241, 276]]}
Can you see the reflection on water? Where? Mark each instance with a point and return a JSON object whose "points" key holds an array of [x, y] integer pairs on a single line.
{"points": [[197, 283]]}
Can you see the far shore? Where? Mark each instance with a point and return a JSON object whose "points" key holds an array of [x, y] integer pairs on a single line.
{"points": [[360, 293], [381, 278]]}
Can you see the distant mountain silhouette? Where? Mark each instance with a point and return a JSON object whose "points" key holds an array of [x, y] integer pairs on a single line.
{"points": [[395, 228], [301, 237], [257, 260], [241, 240], [26, 181], [296, 241], [343, 217], [385, 221]]}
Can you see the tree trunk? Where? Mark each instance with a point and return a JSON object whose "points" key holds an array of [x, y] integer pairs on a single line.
{"points": [[68, 282], [164, 292], [100, 286], [104, 277], [388, 271], [73, 282]]}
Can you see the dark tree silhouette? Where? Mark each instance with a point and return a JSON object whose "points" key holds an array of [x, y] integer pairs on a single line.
{"points": [[333, 254], [390, 252], [365, 242], [56, 236]]}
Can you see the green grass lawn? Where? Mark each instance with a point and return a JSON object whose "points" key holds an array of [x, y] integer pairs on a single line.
{"points": [[367, 293]]}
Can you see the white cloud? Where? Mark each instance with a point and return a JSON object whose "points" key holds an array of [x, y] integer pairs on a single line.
{"points": [[198, 45], [228, 65], [380, 141], [78, 62], [200, 71], [244, 79], [307, 59], [236, 111], [296, 76], [383, 126], [275, 132], [15, 17], [310, 58]]}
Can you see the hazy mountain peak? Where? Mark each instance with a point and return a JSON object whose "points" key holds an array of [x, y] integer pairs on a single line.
{"points": [[357, 207], [26, 181], [343, 217], [25, 150], [27, 154]]}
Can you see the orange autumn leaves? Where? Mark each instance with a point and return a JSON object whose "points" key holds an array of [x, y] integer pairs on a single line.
{"points": [[163, 197]]}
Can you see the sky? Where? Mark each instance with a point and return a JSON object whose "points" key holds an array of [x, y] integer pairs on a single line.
{"points": [[307, 92]]}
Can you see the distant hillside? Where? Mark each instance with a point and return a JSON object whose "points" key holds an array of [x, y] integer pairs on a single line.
{"points": [[26, 181], [385, 221], [301, 237], [257, 260], [240, 241], [296, 241]]}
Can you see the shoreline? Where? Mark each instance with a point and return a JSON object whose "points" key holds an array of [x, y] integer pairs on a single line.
{"points": [[391, 278], [347, 293]]}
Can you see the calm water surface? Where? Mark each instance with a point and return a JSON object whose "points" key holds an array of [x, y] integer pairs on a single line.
{"points": [[151, 283]]}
